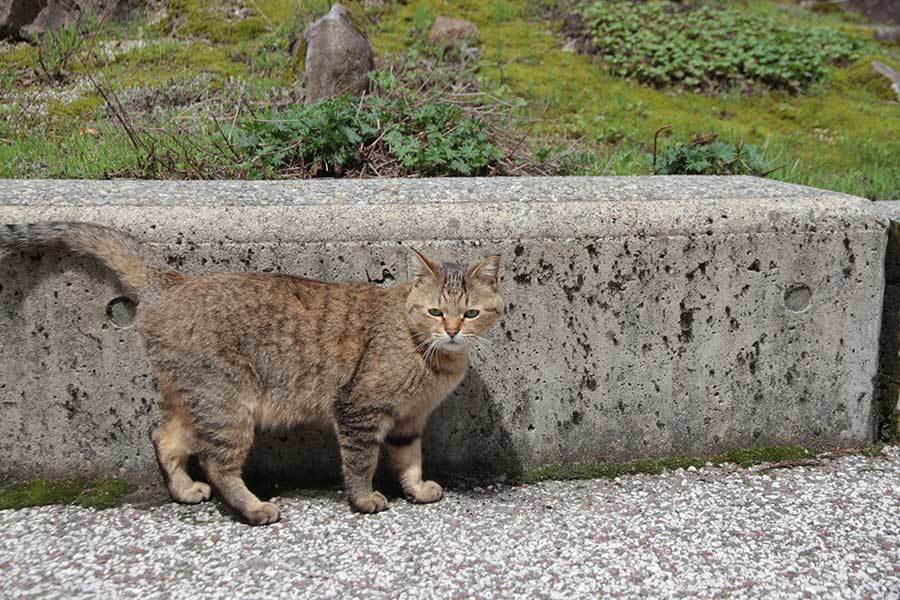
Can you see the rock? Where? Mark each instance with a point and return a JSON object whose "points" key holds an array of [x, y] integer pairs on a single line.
{"points": [[53, 16], [887, 33], [890, 73], [338, 57], [449, 30], [29, 19], [880, 11], [15, 14]]}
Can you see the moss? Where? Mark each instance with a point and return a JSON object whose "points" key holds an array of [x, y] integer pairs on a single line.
{"points": [[84, 106], [206, 19], [860, 76], [18, 55], [744, 458], [89, 494]]}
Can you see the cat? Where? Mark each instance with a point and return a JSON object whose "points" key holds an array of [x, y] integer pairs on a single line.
{"points": [[237, 351]]}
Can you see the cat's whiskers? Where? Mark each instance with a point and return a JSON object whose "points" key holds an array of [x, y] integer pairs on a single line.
{"points": [[478, 338], [431, 350], [481, 344]]}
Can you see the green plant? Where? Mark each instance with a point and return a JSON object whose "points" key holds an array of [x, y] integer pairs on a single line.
{"points": [[56, 49], [712, 47], [337, 135], [438, 140], [702, 157]]}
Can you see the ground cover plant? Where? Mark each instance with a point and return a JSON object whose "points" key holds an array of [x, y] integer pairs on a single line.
{"points": [[713, 47], [200, 88]]}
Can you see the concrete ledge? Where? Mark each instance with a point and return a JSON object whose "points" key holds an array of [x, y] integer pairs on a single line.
{"points": [[647, 317]]}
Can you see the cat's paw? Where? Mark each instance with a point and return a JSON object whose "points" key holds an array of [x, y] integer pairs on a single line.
{"points": [[196, 493], [428, 492], [265, 513], [373, 503]]}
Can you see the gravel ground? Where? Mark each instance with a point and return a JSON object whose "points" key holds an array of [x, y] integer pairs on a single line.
{"points": [[826, 531]]}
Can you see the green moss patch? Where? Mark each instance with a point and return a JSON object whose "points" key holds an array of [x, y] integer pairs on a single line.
{"points": [[105, 493], [743, 458]]}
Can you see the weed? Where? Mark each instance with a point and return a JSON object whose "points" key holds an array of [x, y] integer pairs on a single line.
{"points": [[334, 136], [706, 155], [56, 49]]}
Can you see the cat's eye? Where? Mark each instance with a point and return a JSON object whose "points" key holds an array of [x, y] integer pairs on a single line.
{"points": [[470, 314], [435, 312]]}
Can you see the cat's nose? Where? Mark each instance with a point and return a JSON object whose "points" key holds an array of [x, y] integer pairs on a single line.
{"points": [[452, 332]]}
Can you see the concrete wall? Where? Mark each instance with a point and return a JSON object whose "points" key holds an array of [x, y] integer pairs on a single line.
{"points": [[646, 316]]}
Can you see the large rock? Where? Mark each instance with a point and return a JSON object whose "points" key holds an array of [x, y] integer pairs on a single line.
{"points": [[30, 19], [53, 16], [645, 316], [880, 11], [338, 57], [15, 14]]}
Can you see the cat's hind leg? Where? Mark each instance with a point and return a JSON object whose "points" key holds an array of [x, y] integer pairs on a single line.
{"points": [[174, 442]]}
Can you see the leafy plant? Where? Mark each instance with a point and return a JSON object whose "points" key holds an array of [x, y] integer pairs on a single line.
{"points": [[712, 47], [709, 156], [336, 135]]}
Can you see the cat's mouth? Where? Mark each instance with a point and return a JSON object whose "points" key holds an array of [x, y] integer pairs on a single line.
{"points": [[456, 345]]}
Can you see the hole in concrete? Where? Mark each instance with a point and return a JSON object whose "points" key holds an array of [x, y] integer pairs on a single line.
{"points": [[797, 297], [121, 311]]}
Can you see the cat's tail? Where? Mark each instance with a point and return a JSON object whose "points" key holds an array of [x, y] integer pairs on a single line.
{"points": [[117, 250]]}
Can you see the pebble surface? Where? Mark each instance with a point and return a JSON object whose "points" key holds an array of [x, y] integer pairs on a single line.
{"points": [[830, 530]]}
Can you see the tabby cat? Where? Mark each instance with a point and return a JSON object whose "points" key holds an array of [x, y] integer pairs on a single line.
{"points": [[236, 351]]}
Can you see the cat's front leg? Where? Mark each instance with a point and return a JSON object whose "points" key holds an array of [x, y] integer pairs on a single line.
{"points": [[405, 457], [359, 439]]}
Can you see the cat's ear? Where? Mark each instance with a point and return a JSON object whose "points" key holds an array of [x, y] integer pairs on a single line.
{"points": [[488, 270], [426, 268]]}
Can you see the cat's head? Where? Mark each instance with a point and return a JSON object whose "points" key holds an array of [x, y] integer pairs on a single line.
{"points": [[451, 305]]}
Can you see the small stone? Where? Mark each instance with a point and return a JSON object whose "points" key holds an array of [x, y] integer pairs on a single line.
{"points": [[447, 30], [692, 469], [888, 33], [890, 73]]}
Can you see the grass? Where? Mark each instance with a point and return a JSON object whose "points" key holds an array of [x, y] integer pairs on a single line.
{"points": [[105, 493], [842, 133]]}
